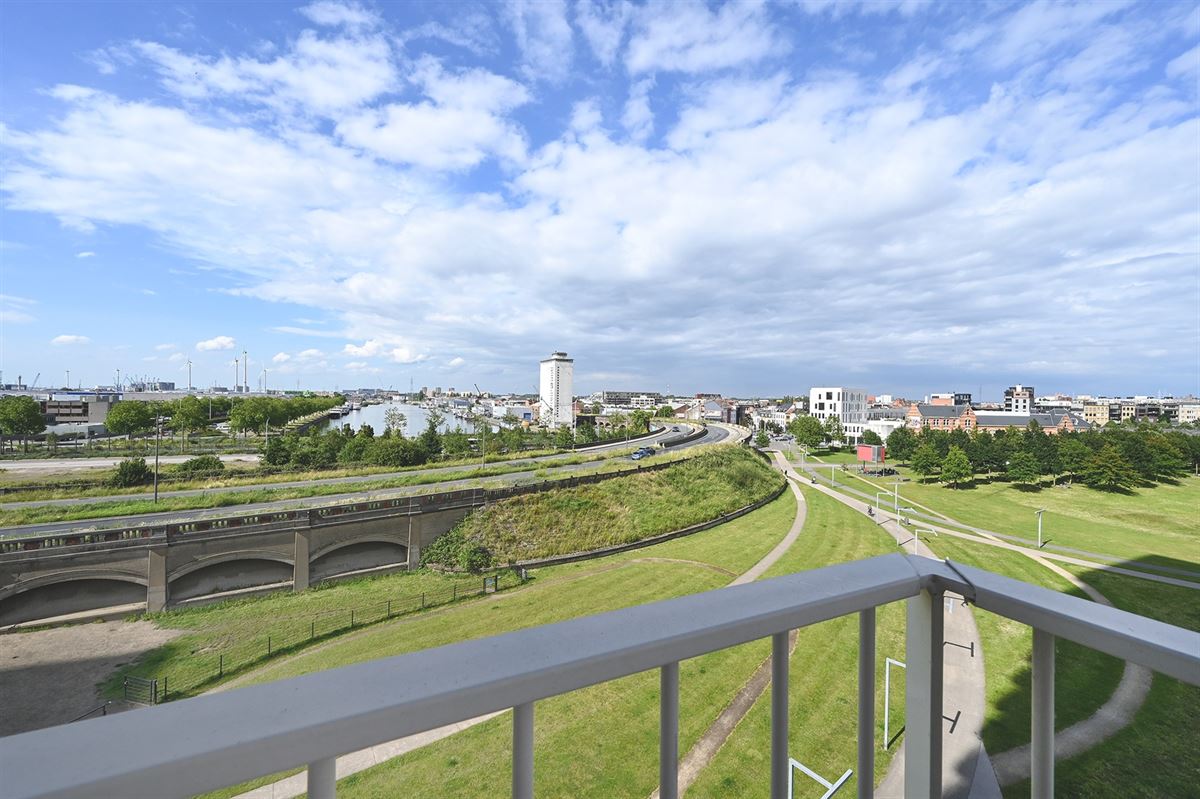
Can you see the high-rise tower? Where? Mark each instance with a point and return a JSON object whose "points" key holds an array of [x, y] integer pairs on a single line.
{"points": [[556, 403]]}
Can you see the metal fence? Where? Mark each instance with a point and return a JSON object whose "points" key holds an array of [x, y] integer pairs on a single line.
{"points": [[289, 635]]}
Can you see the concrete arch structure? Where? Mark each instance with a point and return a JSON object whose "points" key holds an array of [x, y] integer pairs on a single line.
{"points": [[68, 591], [231, 571], [369, 552]]}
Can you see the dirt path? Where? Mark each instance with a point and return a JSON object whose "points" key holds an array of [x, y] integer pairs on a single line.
{"points": [[50, 677]]}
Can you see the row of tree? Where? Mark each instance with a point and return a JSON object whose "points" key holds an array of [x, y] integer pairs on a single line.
{"points": [[1107, 459], [320, 450]]}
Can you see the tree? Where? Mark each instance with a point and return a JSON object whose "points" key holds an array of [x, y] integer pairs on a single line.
{"points": [[21, 416], [395, 421], [430, 439], [807, 431], [128, 417], [871, 437], [925, 460], [761, 439], [188, 415], [1023, 468], [665, 411], [1073, 454], [640, 420], [833, 430], [901, 443], [1108, 470], [980, 451], [1169, 462], [956, 468], [131, 472], [564, 438]]}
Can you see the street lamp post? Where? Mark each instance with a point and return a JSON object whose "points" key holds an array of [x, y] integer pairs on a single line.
{"points": [[157, 439], [1039, 515]]}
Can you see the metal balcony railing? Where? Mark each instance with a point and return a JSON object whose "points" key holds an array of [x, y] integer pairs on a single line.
{"points": [[209, 742]]}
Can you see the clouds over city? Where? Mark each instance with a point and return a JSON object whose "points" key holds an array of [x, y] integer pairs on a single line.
{"points": [[824, 190]]}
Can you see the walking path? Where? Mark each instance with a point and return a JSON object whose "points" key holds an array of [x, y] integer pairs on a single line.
{"points": [[1117, 712], [354, 762], [966, 770]]}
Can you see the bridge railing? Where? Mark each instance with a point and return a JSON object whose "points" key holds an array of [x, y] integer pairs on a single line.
{"points": [[243, 734]]}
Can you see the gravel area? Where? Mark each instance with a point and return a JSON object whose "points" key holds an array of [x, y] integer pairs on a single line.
{"points": [[50, 677]]}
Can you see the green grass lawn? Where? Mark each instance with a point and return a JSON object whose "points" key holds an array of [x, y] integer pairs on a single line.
{"points": [[823, 689], [472, 761], [1156, 756], [1156, 525]]}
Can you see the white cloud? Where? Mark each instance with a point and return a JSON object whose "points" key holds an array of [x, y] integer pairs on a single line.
{"points": [[455, 362], [149, 292], [164, 347], [85, 254], [281, 357], [310, 354], [176, 357], [352, 15], [15, 310], [603, 25], [368, 349], [69, 340], [461, 124], [638, 118], [1186, 66], [216, 343], [543, 37], [688, 37]]}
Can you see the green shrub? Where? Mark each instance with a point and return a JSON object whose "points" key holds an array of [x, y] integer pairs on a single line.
{"points": [[132, 472], [474, 557], [202, 464]]}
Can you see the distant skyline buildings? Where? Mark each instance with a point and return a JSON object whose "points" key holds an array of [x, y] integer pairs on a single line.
{"points": [[739, 198]]}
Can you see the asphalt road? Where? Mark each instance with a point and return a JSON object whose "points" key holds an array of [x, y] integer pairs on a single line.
{"points": [[714, 434], [34, 465]]}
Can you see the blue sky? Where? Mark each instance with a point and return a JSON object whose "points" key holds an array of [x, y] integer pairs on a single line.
{"points": [[745, 198]]}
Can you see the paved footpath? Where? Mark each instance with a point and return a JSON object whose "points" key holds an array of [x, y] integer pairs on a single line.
{"points": [[297, 784], [966, 770]]}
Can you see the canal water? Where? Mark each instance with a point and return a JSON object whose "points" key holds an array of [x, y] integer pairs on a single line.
{"points": [[417, 417]]}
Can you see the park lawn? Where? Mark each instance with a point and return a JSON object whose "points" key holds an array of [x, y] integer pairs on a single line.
{"points": [[1152, 524], [823, 686], [710, 558], [1156, 755], [1085, 679]]}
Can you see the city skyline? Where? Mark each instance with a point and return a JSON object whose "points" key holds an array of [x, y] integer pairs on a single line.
{"points": [[745, 199]]}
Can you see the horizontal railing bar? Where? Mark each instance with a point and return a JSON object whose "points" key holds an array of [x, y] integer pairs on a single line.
{"points": [[196, 745], [1167, 649]]}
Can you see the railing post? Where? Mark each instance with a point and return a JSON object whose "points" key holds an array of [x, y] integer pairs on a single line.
{"points": [[1041, 771], [866, 703], [923, 697], [780, 767], [668, 732], [322, 778], [522, 765]]}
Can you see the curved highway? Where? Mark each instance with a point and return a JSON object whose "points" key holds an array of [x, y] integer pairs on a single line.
{"points": [[713, 435]]}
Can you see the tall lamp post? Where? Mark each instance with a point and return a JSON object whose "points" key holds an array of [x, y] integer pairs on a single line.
{"points": [[1039, 515], [157, 439]]}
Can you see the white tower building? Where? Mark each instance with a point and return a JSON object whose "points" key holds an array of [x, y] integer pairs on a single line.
{"points": [[849, 405], [555, 402]]}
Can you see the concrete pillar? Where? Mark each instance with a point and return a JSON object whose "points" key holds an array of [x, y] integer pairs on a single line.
{"points": [[414, 541], [156, 579], [300, 561]]}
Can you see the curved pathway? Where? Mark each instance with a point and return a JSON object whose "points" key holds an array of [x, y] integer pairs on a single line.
{"points": [[1116, 713], [354, 762]]}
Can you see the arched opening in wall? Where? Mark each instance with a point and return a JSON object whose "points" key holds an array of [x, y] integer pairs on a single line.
{"points": [[229, 575], [355, 557], [69, 596]]}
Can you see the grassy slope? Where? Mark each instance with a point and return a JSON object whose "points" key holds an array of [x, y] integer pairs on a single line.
{"points": [[622, 510], [1156, 756], [823, 685], [1156, 524], [474, 761]]}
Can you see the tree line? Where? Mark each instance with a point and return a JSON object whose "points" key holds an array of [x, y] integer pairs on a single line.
{"points": [[1111, 459]]}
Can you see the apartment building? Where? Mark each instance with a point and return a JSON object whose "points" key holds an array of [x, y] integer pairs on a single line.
{"points": [[849, 405], [554, 397]]}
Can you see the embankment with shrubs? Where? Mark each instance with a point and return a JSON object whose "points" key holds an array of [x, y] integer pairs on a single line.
{"points": [[614, 512]]}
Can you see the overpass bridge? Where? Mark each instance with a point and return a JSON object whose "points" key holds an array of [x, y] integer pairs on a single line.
{"points": [[192, 560]]}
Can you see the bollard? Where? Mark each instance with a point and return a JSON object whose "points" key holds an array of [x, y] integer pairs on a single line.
{"points": [[422, 600], [454, 592], [352, 617]]}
